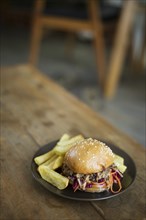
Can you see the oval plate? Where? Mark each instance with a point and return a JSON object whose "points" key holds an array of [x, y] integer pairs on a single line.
{"points": [[128, 179]]}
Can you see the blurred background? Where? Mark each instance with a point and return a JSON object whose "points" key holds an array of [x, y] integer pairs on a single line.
{"points": [[109, 42]]}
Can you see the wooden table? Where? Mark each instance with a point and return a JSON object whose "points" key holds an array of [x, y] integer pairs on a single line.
{"points": [[35, 111]]}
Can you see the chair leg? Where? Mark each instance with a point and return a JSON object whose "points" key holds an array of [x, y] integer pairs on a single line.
{"points": [[98, 41], [36, 32], [35, 44], [120, 47]]}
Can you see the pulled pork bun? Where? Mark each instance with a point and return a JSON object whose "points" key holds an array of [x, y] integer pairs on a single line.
{"points": [[90, 167]]}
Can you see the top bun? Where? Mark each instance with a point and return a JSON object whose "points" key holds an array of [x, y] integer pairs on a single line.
{"points": [[89, 156]]}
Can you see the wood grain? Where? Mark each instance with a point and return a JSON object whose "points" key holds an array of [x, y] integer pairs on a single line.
{"points": [[34, 111]]}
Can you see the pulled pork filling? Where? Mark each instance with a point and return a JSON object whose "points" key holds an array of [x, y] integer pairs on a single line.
{"points": [[101, 181]]}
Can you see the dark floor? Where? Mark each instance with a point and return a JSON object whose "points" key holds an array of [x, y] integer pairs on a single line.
{"points": [[78, 75]]}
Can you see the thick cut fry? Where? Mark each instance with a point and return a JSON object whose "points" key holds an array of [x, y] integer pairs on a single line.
{"points": [[62, 148], [64, 137], [58, 162], [119, 162], [51, 160], [43, 158], [71, 140], [50, 165], [122, 168], [54, 162], [53, 177], [118, 159]]}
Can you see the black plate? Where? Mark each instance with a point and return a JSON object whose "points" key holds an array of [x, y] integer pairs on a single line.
{"points": [[127, 180]]}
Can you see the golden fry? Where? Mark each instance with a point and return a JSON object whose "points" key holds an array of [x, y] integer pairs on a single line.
{"points": [[119, 162], [70, 141], [51, 160], [64, 137], [53, 177], [118, 159], [43, 158], [58, 162], [62, 148], [54, 162]]}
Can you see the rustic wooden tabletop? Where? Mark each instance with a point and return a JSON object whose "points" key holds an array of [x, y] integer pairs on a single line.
{"points": [[34, 112]]}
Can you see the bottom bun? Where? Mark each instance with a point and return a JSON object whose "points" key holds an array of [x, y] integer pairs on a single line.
{"points": [[93, 190]]}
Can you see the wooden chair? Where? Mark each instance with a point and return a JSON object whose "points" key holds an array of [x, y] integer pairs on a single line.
{"points": [[93, 23]]}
